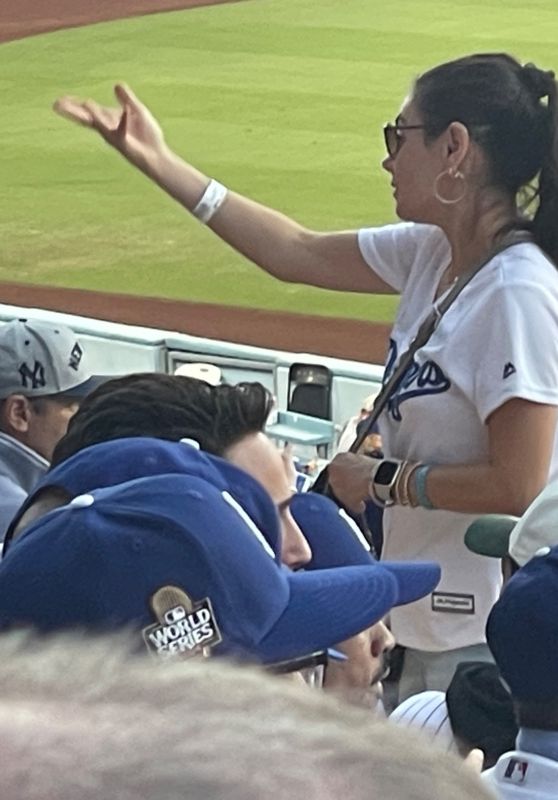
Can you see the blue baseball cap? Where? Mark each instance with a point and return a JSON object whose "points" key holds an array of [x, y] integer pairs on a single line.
{"points": [[522, 629], [170, 554], [336, 541], [117, 461]]}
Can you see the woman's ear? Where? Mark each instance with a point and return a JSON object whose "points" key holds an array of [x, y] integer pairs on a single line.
{"points": [[458, 143]]}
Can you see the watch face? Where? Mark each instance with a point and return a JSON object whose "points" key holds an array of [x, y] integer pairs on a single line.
{"points": [[386, 473]]}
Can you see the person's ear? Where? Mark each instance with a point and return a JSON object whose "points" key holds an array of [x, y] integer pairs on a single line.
{"points": [[16, 414], [457, 144]]}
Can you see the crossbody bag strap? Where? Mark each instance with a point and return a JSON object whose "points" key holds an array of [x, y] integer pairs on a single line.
{"points": [[425, 331]]}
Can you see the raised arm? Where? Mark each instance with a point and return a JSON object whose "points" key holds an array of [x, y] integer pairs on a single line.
{"points": [[274, 242]]}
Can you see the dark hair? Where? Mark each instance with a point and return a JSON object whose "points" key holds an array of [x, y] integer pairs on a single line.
{"points": [[480, 710], [502, 105], [167, 407]]}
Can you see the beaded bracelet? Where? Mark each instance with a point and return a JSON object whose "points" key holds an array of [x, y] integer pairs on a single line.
{"points": [[405, 493], [420, 486]]}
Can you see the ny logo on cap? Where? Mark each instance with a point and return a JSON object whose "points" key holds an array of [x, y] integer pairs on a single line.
{"points": [[75, 357], [32, 379]]}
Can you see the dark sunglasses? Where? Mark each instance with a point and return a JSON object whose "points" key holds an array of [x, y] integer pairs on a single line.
{"points": [[312, 667], [393, 138]]}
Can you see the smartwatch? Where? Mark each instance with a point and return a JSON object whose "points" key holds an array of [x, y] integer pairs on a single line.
{"points": [[383, 479]]}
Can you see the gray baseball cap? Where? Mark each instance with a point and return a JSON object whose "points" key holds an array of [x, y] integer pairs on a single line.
{"points": [[40, 358]]}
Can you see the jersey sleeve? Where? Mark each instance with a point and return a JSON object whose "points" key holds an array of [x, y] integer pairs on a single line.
{"points": [[512, 343], [392, 250]]}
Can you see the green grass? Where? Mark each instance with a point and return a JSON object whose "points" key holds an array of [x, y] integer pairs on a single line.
{"points": [[280, 99]]}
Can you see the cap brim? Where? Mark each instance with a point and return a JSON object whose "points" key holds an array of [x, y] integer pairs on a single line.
{"points": [[88, 386], [489, 535], [326, 607], [415, 579]]}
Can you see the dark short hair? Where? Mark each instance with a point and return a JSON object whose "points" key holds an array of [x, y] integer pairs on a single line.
{"points": [[480, 710], [167, 407], [510, 110]]}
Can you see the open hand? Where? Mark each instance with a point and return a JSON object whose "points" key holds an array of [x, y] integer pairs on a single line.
{"points": [[131, 129]]}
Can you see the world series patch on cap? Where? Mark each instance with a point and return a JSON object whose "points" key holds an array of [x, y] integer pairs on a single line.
{"points": [[100, 563], [39, 358]]}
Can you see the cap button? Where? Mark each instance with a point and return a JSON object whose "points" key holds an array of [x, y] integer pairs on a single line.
{"points": [[191, 442], [83, 501]]}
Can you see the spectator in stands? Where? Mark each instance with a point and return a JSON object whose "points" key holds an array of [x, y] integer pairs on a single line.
{"points": [[225, 420], [112, 727], [173, 407], [210, 373], [516, 540], [522, 632], [471, 139], [351, 428], [176, 558], [43, 376], [476, 712]]}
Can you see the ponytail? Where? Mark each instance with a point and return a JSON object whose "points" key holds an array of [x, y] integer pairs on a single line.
{"points": [[545, 221]]}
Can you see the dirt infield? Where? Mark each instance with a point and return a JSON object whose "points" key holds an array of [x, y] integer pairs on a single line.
{"points": [[340, 337]]}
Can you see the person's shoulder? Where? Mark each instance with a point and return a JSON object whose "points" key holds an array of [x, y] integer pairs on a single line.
{"points": [[526, 262], [411, 242], [416, 231]]}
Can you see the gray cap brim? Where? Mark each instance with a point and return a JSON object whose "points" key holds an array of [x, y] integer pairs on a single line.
{"points": [[88, 386], [489, 535]]}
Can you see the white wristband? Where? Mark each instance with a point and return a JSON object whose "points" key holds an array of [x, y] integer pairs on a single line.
{"points": [[210, 201]]}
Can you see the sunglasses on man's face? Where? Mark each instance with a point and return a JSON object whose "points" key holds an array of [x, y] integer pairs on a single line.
{"points": [[393, 138], [312, 668]]}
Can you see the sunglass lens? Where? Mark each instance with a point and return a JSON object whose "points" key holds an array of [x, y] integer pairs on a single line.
{"points": [[390, 137]]}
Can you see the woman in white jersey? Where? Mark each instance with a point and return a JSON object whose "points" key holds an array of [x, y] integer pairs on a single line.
{"points": [[477, 409]]}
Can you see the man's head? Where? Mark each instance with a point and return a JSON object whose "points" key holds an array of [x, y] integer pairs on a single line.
{"points": [[227, 421], [37, 422], [43, 376], [93, 723], [129, 554], [522, 633]]}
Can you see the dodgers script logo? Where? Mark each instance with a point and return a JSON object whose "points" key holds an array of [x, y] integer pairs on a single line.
{"points": [[417, 381]]}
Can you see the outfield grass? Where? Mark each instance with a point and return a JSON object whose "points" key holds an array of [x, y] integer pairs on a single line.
{"points": [[281, 99]]}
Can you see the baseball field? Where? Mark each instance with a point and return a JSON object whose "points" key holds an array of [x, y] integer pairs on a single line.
{"points": [[283, 100]]}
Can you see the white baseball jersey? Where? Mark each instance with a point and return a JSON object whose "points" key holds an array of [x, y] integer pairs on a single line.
{"points": [[499, 340], [523, 775]]}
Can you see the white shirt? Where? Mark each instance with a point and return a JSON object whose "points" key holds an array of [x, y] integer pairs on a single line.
{"points": [[519, 775], [498, 340]]}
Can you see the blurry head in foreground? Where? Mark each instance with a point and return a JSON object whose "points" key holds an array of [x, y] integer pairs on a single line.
{"points": [[89, 722]]}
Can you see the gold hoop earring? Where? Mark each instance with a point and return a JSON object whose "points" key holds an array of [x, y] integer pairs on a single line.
{"points": [[456, 175]]}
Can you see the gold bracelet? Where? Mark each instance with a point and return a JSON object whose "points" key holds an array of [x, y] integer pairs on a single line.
{"points": [[400, 496], [408, 476]]}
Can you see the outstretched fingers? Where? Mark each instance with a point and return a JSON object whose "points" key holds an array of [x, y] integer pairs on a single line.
{"points": [[73, 109], [105, 120], [126, 97]]}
